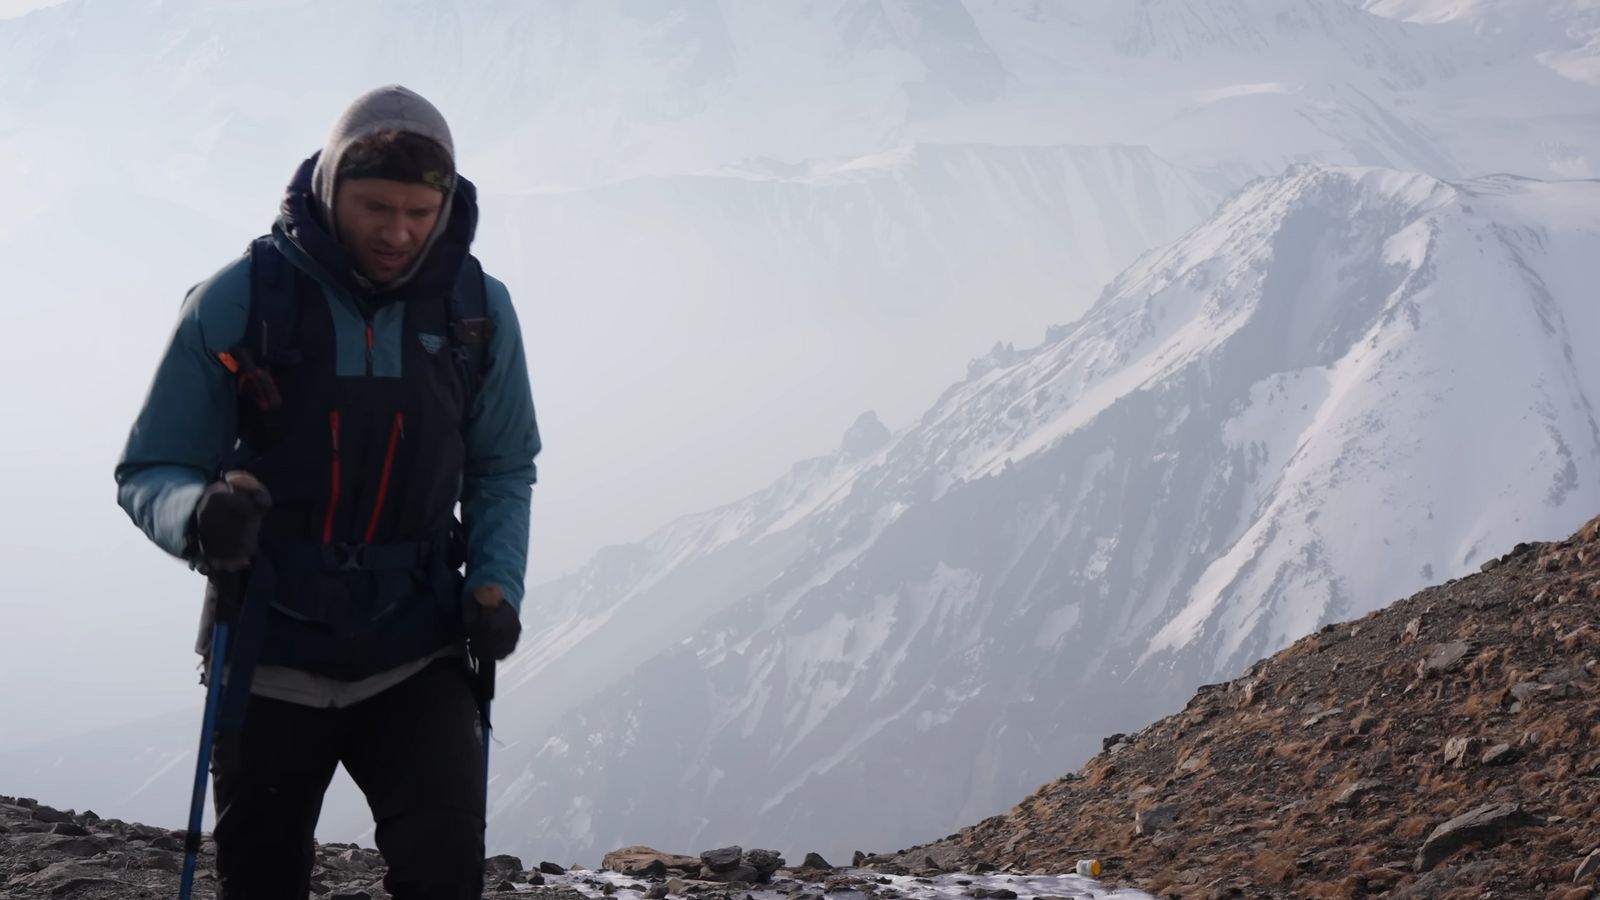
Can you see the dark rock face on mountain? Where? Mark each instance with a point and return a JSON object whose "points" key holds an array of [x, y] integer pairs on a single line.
{"points": [[1445, 747]]}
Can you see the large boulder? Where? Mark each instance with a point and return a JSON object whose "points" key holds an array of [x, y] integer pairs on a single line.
{"points": [[815, 861], [1488, 824], [641, 862], [741, 874], [722, 859], [765, 862], [497, 868]]}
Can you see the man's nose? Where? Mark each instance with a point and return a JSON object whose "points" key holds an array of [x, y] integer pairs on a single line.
{"points": [[396, 232]]}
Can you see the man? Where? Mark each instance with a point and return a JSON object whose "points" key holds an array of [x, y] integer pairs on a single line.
{"points": [[324, 404]]}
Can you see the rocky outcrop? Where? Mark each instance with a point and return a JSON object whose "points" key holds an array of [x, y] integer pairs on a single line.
{"points": [[1445, 747], [735, 864], [647, 862]]}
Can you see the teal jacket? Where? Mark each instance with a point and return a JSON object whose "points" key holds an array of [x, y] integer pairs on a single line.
{"points": [[187, 427]]}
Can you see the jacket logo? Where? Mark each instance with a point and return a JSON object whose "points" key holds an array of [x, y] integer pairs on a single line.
{"points": [[432, 343]]}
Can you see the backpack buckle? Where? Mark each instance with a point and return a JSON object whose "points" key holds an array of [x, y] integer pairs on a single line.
{"points": [[348, 557]]}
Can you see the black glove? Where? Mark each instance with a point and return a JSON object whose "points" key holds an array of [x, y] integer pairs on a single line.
{"points": [[492, 624], [227, 521]]}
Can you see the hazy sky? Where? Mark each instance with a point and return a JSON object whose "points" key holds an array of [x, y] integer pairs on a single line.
{"points": [[11, 8]]}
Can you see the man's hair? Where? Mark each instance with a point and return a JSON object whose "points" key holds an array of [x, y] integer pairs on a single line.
{"points": [[399, 156]]}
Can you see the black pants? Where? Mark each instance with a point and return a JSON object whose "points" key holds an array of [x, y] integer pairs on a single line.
{"points": [[414, 751]]}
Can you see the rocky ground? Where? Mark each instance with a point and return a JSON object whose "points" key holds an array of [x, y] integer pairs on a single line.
{"points": [[50, 853], [1445, 747]]}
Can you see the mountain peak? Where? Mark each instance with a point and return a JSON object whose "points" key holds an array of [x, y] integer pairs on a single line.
{"points": [[866, 436]]}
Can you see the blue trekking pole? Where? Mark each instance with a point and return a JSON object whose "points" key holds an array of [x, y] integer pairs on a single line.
{"points": [[238, 618], [486, 692], [208, 730]]}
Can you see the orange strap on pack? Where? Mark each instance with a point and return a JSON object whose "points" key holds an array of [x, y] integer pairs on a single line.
{"points": [[253, 381]]}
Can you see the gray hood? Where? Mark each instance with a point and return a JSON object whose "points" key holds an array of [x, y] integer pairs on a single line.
{"points": [[388, 108]]}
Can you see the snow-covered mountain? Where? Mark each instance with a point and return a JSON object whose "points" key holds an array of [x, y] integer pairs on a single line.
{"points": [[1347, 384]]}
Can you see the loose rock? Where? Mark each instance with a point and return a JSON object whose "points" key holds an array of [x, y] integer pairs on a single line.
{"points": [[636, 859], [815, 861], [1456, 750], [50, 816], [1589, 866], [496, 868], [1156, 818], [1352, 795], [1499, 754], [722, 859], [765, 862], [1446, 656], [655, 868], [1485, 824], [741, 874]]}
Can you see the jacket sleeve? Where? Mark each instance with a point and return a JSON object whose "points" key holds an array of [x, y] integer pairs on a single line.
{"points": [[187, 425], [502, 439]]}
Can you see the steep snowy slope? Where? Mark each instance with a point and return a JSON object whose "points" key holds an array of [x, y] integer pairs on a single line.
{"points": [[1347, 384]]}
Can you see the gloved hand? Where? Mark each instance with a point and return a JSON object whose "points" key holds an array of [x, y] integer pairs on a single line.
{"points": [[227, 521], [492, 624]]}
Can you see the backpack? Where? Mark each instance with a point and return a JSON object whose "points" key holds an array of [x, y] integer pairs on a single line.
{"points": [[277, 290]]}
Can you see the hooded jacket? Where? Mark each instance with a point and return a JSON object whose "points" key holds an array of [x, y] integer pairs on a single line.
{"points": [[188, 427]]}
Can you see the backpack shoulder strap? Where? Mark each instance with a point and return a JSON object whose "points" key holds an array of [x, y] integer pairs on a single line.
{"points": [[269, 333], [471, 328], [269, 329]]}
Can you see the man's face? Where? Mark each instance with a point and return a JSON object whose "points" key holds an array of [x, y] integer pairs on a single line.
{"points": [[384, 224]]}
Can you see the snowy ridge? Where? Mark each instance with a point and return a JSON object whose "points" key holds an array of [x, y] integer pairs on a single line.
{"points": [[1350, 382]]}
